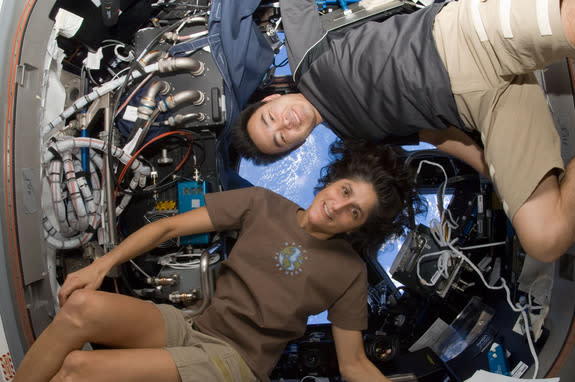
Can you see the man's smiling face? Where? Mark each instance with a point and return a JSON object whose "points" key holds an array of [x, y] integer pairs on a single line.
{"points": [[282, 123]]}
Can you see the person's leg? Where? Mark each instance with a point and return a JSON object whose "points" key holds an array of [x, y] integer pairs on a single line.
{"points": [[91, 316], [118, 365], [545, 223], [523, 153], [521, 145]]}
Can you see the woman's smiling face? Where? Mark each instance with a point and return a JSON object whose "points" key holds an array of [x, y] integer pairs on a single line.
{"points": [[342, 206]]}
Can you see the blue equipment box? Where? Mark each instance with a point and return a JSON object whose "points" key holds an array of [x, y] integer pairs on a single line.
{"points": [[191, 196], [497, 360]]}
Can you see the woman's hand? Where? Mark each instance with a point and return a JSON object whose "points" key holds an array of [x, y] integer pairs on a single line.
{"points": [[143, 240], [90, 277]]}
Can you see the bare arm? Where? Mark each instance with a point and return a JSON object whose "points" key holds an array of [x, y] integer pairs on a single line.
{"points": [[455, 142], [353, 363], [146, 238]]}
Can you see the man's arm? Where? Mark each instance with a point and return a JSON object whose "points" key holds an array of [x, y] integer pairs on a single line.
{"points": [[302, 27], [353, 363], [143, 240], [455, 142]]}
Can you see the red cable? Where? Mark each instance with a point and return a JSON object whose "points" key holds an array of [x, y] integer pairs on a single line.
{"points": [[161, 136]]}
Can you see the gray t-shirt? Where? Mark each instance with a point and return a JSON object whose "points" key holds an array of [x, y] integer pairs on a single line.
{"points": [[277, 275], [374, 81]]}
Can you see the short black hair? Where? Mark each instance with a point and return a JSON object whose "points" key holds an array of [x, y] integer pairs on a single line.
{"points": [[394, 183], [243, 143]]}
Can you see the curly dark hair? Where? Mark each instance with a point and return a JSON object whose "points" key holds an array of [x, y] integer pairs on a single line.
{"points": [[394, 184], [243, 143]]}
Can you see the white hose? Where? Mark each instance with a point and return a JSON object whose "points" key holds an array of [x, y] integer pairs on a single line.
{"points": [[95, 94], [77, 207]]}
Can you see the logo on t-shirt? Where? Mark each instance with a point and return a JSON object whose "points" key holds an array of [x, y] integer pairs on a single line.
{"points": [[290, 259]]}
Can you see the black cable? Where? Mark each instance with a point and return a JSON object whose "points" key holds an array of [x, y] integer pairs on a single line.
{"points": [[282, 63], [203, 150], [160, 185], [89, 73]]}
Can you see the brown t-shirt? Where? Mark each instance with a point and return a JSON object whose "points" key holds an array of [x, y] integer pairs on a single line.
{"points": [[277, 275]]}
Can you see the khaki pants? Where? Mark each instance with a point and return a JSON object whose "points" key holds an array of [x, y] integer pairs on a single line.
{"points": [[490, 49], [200, 357]]}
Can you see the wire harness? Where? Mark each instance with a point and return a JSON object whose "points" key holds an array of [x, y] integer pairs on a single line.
{"points": [[441, 232]]}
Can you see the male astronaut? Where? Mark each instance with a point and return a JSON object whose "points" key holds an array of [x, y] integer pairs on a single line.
{"points": [[441, 72]]}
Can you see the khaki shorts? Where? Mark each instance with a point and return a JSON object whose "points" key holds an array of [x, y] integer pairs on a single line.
{"points": [[490, 49], [200, 357]]}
